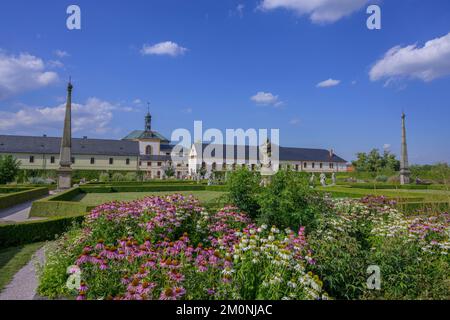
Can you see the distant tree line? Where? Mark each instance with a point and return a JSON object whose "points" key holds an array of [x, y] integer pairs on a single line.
{"points": [[374, 162]]}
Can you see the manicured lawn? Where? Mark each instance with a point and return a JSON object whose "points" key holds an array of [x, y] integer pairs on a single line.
{"points": [[428, 195], [205, 197], [13, 259]]}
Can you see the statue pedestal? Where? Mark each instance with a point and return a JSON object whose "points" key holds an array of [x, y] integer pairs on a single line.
{"points": [[64, 178], [266, 174], [405, 176]]}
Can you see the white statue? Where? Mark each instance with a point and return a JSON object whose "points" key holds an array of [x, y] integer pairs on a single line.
{"points": [[333, 178], [312, 179], [323, 179]]}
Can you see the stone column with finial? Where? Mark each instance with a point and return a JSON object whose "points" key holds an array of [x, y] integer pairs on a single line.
{"points": [[404, 164], [65, 162]]}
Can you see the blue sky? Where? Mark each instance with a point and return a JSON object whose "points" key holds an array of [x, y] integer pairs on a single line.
{"points": [[213, 59]]}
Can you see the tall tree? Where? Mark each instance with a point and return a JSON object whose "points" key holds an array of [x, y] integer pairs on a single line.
{"points": [[9, 169]]}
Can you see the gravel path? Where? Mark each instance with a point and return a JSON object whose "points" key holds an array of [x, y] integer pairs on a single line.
{"points": [[18, 213], [24, 284]]}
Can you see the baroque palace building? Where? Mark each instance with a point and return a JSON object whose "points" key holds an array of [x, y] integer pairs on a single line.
{"points": [[149, 151]]}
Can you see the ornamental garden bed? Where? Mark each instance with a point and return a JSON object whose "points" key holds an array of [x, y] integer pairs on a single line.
{"points": [[171, 248]]}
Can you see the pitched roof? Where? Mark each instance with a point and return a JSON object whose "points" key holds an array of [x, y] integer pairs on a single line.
{"points": [[51, 145], [142, 134], [285, 153]]}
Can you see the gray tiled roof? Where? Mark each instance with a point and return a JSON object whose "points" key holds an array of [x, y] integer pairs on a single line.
{"points": [[51, 145], [286, 153]]}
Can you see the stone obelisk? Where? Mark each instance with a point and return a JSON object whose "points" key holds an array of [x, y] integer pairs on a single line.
{"points": [[65, 162], [404, 165]]}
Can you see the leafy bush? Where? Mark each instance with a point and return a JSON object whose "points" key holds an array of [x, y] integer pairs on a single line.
{"points": [[381, 178], [117, 177], [104, 177], [9, 169], [131, 176], [288, 201], [244, 186]]}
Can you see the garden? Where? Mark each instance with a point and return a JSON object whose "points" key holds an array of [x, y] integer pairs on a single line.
{"points": [[284, 241]]}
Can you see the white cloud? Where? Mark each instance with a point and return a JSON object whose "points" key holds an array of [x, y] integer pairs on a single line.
{"points": [[319, 11], [386, 146], [187, 110], [61, 53], [55, 64], [23, 73], [328, 83], [294, 121], [163, 48], [425, 63], [266, 99], [137, 101], [94, 116]]}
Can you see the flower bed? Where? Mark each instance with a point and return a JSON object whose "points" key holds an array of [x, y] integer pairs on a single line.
{"points": [[170, 248]]}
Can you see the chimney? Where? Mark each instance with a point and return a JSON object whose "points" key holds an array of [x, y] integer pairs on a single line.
{"points": [[331, 153]]}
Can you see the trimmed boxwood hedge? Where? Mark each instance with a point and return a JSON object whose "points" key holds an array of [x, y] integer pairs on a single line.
{"points": [[423, 207], [15, 198], [16, 234]]}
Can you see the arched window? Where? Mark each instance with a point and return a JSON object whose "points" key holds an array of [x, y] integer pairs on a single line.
{"points": [[148, 150]]}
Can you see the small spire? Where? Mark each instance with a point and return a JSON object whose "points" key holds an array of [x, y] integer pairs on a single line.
{"points": [[148, 119], [69, 85]]}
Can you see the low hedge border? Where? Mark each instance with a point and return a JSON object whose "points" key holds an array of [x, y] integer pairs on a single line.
{"points": [[423, 207], [16, 234], [144, 183], [15, 198], [375, 186], [62, 204]]}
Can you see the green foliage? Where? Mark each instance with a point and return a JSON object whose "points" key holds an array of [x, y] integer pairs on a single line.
{"points": [[373, 162], [381, 178], [341, 264], [104, 177], [288, 201], [35, 231], [9, 169], [243, 187], [438, 173], [169, 172], [118, 177], [131, 176]]}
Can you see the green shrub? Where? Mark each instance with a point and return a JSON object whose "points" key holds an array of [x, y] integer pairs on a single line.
{"points": [[243, 187], [9, 168], [381, 178], [341, 264], [131, 176], [288, 201], [28, 232], [117, 177], [104, 177]]}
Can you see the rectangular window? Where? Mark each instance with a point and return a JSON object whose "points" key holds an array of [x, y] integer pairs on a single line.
{"points": [[331, 165], [111, 161], [52, 159], [305, 165], [149, 164], [159, 164], [296, 167], [72, 160], [92, 160], [321, 165], [313, 165], [127, 162], [31, 159]]}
